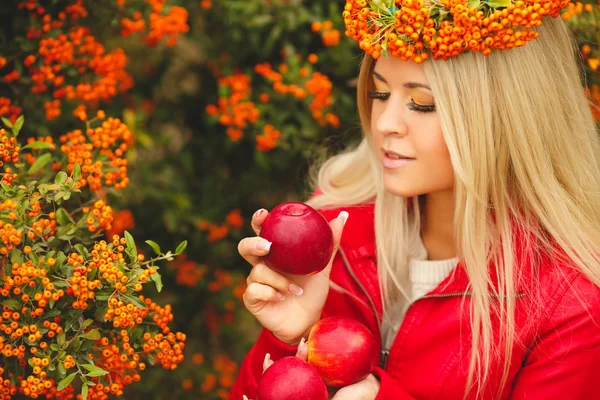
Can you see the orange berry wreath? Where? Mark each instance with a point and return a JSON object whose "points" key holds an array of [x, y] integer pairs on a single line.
{"points": [[414, 29]]}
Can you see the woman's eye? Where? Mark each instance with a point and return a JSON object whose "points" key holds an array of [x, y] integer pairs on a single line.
{"points": [[378, 96], [420, 108]]}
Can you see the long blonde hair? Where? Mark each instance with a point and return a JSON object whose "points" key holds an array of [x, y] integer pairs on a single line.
{"points": [[522, 142]]}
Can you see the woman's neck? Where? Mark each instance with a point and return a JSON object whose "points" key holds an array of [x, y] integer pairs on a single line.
{"points": [[437, 225]]}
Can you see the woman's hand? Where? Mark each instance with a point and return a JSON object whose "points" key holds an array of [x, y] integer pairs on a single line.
{"points": [[366, 389], [287, 305]]}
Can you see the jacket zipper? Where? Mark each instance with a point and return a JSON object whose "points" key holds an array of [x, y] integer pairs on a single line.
{"points": [[385, 353]]}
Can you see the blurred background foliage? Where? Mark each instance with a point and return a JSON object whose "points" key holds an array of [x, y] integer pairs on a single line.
{"points": [[229, 103]]}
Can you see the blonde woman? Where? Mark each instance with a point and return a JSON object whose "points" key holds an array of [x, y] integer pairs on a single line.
{"points": [[471, 246]]}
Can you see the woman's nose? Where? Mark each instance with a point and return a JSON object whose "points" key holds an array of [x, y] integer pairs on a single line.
{"points": [[391, 121]]}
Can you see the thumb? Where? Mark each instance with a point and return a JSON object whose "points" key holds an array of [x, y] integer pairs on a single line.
{"points": [[337, 227]]}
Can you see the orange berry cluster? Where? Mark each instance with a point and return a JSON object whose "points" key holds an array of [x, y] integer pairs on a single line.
{"points": [[9, 235], [187, 272], [329, 36], [167, 26], [7, 389], [63, 49], [42, 227], [235, 111], [7, 109], [111, 139], [268, 140], [9, 148], [319, 86], [593, 93], [100, 217], [217, 232], [411, 30], [168, 347], [122, 221]]}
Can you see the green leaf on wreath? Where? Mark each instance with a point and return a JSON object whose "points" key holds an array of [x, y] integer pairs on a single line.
{"points": [[65, 382]]}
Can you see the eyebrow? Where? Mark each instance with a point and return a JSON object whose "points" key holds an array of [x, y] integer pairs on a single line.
{"points": [[409, 85]]}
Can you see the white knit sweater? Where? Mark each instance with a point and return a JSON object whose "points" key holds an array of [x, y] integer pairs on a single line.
{"points": [[424, 276]]}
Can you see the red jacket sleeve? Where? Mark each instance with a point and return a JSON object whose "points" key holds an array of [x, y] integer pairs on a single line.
{"points": [[252, 366], [564, 362]]}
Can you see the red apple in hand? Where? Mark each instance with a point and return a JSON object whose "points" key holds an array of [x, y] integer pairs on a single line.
{"points": [[291, 378], [302, 241], [342, 350]]}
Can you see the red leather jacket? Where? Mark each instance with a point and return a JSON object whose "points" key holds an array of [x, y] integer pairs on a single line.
{"points": [[556, 354]]}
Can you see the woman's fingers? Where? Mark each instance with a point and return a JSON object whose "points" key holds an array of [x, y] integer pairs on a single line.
{"points": [[265, 275], [257, 294], [257, 220], [253, 248]]}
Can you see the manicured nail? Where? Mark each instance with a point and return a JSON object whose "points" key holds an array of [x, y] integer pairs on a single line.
{"points": [[296, 290], [280, 297], [263, 245], [344, 216], [258, 213]]}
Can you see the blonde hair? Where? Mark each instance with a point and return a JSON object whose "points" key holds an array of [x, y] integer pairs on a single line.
{"points": [[522, 142]]}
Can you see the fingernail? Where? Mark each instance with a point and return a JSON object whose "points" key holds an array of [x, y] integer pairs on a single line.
{"points": [[296, 290], [280, 297], [263, 245], [344, 216], [258, 213]]}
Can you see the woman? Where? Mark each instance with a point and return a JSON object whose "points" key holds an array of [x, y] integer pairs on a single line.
{"points": [[474, 262]]}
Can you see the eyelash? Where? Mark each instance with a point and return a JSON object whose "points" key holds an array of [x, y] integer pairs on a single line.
{"points": [[411, 105]]}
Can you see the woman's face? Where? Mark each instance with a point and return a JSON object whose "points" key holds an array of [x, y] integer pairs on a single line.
{"points": [[404, 122]]}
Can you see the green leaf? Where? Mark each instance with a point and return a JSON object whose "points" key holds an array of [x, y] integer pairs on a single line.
{"points": [[61, 177], [65, 382], [18, 125], [40, 163], [94, 334], [82, 250], [94, 370], [131, 249], [87, 323], [63, 217], [84, 391], [498, 3], [154, 246], [181, 248], [54, 347], [135, 301], [61, 369], [60, 339], [7, 122], [76, 172], [11, 304], [157, 280], [37, 145]]}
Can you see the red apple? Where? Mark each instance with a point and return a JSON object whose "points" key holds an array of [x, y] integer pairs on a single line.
{"points": [[291, 378], [302, 241], [342, 350]]}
